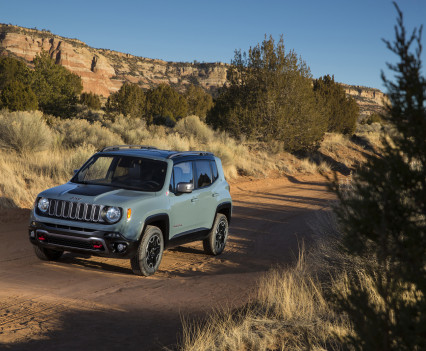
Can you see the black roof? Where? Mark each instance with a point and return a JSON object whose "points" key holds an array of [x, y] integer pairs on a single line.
{"points": [[149, 151]]}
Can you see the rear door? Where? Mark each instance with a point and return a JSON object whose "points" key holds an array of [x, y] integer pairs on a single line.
{"points": [[182, 206], [206, 195]]}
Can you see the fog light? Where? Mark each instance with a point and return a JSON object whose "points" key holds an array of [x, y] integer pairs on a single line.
{"points": [[32, 234], [120, 248]]}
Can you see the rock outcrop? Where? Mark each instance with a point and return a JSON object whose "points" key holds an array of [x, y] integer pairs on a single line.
{"points": [[104, 71]]}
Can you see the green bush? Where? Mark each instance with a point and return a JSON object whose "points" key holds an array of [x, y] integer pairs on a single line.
{"points": [[90, 100], [14, 70], [164, 102], [129, 100], [199, 102], [269, 97], [24, 132], [56, 88], [15, 96], [340, 110]]}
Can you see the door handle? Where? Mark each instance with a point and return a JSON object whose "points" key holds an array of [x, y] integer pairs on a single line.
{"points": [[194, 199], [215, 194]]}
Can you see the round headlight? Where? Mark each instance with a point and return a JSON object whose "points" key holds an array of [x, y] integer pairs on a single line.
{"points": [[43, 204], [112, 214]]}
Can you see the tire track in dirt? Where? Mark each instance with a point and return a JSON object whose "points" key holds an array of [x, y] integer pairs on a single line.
{"points": [[46, 305]]}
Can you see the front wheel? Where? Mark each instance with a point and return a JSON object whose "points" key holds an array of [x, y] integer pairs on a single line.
{"points": [[47, 254], [216, 241], [150, 251]]}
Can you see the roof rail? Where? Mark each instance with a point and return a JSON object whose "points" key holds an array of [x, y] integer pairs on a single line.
{"points": [[190, 153], [120, 147]]}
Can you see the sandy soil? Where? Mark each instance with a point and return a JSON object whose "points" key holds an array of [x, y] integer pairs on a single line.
{"points": [[82, 303]]}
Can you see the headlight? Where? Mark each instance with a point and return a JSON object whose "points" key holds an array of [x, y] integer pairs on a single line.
{"points": [[43, 204], [112, 214]]}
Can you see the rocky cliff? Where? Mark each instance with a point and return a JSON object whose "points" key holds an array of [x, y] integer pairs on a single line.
{"points": [[104, 71]]}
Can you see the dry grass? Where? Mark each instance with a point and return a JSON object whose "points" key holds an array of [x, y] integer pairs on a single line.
{"points": [[290, 311], [25, 170], [23, 177]]}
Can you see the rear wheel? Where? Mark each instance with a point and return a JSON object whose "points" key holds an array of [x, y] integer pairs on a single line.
{"points": [[216, 241], [150, 251], [47, 254]]}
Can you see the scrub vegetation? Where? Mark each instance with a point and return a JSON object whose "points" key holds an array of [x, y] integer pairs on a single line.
{"points": [[362, 284], [40, 151]]}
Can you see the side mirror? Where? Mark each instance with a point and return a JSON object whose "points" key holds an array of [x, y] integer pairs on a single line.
{"points": [[75, 171], [184, 188]]}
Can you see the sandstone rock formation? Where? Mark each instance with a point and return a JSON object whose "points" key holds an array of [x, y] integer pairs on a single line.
{"points": [[104, 71]]}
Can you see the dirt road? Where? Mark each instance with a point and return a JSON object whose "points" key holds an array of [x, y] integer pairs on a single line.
{"points": [[81, 303]]}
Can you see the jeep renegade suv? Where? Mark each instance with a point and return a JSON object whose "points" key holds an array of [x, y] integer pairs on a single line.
{"points": [[133, 202]]}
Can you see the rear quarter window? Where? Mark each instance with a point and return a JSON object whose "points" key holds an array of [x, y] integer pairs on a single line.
{"points": [[203, 173]]}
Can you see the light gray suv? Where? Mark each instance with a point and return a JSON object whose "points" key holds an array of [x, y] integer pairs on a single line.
{"points": [[133, 202]]}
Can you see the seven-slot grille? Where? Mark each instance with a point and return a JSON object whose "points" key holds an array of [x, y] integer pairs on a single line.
{"points": [[75, 210]]}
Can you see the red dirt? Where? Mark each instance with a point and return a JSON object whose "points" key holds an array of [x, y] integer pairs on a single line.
{"points": [[81, 303]]}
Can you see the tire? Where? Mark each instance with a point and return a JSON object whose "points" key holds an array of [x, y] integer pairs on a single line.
{"points": [[47, 254], [216, 241], [150, 252]]}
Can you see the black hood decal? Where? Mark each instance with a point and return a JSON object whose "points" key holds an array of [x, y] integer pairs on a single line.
{"points": [[90, 190]]}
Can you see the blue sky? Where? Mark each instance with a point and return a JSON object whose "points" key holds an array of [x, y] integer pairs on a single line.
{"points": [[334, 37]]}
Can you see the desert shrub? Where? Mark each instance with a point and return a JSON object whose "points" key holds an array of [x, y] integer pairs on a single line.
{"points": [[24, 176], [16, 96], [56, 88], [131, 130], [199, 102], [90, 100], [24, 132], [373, 118], [340, 109], [165, 102], [192, 126], [80, 132], [129, 101], [14, 70]]}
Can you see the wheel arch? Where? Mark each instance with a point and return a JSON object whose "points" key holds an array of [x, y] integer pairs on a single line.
{"points": [[160, 220], [226, 209]]}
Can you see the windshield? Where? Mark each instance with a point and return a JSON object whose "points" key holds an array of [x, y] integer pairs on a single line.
{"points": [[123, 172]]}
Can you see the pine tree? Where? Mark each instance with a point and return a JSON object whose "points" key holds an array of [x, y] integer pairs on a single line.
{"points": [[384, 220]]}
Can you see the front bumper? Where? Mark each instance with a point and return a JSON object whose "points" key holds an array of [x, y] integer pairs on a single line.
{"points": [[81, 240]]}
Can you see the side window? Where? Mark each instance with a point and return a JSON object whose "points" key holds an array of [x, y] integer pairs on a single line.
{"points": [[204, 173], [172, 182], [214, 170], [182, 173]]}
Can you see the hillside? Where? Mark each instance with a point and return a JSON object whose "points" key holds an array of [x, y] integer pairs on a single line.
{"points": [[104, 71]]}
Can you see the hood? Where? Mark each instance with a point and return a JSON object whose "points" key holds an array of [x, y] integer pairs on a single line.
{"points": [[97, 194]]}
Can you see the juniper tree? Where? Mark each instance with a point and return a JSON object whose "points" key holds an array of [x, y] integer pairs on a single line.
{"points": [[384, 220], [269, 96]]}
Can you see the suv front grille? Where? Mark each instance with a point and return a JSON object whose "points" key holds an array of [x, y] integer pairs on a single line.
{"points": [[75, 210]]}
